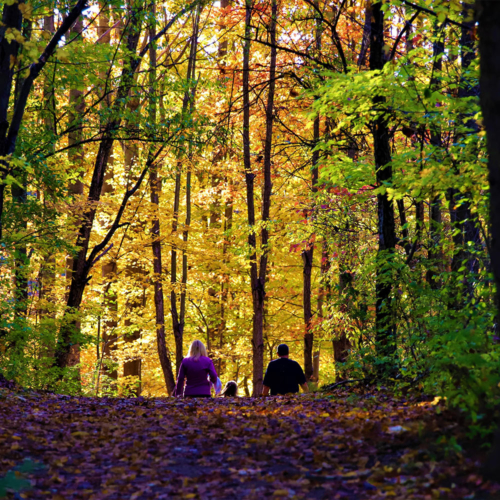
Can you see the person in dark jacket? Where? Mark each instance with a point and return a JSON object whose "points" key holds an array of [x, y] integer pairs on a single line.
{"points": [[283, 375]]}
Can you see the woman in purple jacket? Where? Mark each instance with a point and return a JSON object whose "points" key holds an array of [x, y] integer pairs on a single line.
{"points": [[195, 370]]}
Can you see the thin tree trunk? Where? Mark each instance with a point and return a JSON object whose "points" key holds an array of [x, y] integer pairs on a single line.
{"points": [[308, 253], [365, 42], [178, 316], [266, 206], [435, 254], [109, 268], [47, 271], [135, 271], [258, 273], [187, 221], [464, 221], [256, 285], [155, 188], [221, 155], [12, 19], [75, 158], [20, 197], [385, 321], [404, 229]]}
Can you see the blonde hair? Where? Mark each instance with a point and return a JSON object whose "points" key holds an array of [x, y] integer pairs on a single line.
{"points": [[197, 349]]}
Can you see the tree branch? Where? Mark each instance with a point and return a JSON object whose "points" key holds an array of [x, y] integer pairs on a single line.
{"points": [[35, 69]]}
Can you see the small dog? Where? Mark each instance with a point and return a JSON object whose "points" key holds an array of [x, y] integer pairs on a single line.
{"points": [[230, 390]]}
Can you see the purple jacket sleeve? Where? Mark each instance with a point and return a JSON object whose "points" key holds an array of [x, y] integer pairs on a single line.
{"points": [[179, 387], [212, 372]]}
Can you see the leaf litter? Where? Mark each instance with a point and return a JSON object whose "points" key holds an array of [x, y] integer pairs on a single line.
{"points": [[304, 447]]}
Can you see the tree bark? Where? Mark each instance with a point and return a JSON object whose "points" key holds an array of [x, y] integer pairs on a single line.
{"points": [[489, 41]]}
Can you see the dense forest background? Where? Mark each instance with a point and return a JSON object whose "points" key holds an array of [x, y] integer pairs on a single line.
{"points": [[245, 173]]}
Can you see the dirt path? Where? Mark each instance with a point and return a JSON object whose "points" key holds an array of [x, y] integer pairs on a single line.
{"points": [[86, 448]]}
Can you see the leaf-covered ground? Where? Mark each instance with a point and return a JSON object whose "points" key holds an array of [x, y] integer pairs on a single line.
{"points": [[62, 447]]}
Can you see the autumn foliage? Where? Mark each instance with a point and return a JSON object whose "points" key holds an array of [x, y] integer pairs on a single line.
{"points": [[246, 173]]}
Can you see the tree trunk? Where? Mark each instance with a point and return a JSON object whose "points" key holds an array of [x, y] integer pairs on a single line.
{"points": [[308, 253], [402, 223], [19, 198], [435, 254], [11, 20], [260, 293], [47, 270], [258, 273], [464, 221], [178, 315], [82, 264], [76, 158], [155, 189], [385, 320], [365, 42], [489, 41], [257, 287], [109, 268], [135, 271]]}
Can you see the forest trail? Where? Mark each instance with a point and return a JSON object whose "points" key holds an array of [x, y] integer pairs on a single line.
{"points": [[337, 447]]}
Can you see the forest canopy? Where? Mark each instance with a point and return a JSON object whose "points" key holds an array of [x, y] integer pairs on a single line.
{"points": [[247, 174]]}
